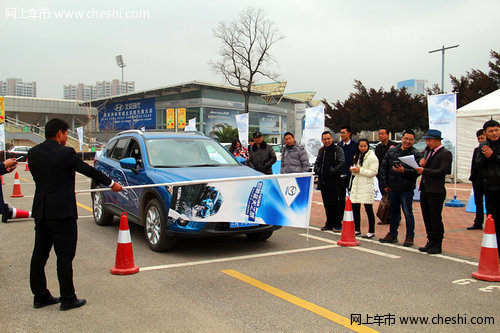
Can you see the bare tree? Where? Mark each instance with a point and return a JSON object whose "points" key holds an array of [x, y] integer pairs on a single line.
{"points": [[245, 49]]}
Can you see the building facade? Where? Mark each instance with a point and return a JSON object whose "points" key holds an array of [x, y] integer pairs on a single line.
{"points": [[413, 87], [16, 87], [101, 89]]}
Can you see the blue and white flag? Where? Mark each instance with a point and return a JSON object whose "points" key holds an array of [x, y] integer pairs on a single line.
{"points": [[314, 126], [443, 116], [242, 124], [79, 130], [283, 200], [191, 125]]}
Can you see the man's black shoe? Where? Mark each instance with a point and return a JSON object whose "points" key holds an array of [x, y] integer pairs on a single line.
{"points": [[37, 304], [426, 247], [75, 304], [434, 250], [6, 213], [475, 227]]}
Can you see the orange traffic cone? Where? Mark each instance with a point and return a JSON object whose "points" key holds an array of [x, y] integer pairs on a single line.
{"points": [[14, 213], [488, 269], [27, 167], [16, 192], [1, 180], [124, 264], [347, 238]]}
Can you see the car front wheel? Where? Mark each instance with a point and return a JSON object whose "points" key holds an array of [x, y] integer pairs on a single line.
{"points": [[100, 216], [259, 236], [155, 226]]}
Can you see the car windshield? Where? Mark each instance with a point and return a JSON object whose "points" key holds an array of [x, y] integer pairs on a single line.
{"points": [[179, 152]]}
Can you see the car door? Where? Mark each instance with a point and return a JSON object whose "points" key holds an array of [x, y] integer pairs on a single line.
{"points": [[133, 177], [112, 168]]}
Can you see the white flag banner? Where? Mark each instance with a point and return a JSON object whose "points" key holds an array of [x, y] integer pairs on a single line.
{"points": [[191, 126], [314, 126], [443, 116], [2, 137], [242, 124], [79, 130]]}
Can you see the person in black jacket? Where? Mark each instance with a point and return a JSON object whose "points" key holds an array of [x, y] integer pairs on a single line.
{"points": [[328, 166], [489, 164], [399, 180], [262, 156], [433, 167], [7, 166], [380, 151], [53, 167], [476, 178]]}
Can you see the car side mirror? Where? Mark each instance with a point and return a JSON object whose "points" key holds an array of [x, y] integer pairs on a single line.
{"points": [[129, 163]]}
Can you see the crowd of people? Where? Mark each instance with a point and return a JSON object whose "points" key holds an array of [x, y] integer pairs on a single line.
{"points": [[349, 167]]}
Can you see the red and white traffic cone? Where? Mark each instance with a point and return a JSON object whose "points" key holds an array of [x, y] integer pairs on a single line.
{"points": [[16, 192], [488, 269], [14, 213], [1, 180], [124, 264], [347, 238], [27, 167]]}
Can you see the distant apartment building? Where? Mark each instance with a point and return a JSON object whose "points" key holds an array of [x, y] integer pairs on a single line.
{"points": [[413, 87], [16, 87], [101, 89]]}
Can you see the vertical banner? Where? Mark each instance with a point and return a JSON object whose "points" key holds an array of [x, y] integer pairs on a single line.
{"points": [[242, 124], [170, 118], [2, 137], [191, 125], [79, 130], [2, 110], [284, 201], [443, 116], [181, 118], [314, 126]]}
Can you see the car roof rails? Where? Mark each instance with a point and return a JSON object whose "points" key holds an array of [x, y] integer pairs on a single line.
{"points": [[131, 131], [193, 132]]}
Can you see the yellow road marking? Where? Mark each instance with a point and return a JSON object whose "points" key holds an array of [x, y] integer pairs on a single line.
{"points": [[24, 179], [299, 302], [83, 206]]}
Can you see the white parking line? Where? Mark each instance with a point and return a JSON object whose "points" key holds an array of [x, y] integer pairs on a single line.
{"points": [[412, 249], [252, 256], [383, 254]]}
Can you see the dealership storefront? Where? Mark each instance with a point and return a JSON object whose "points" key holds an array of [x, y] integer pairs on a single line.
{"points": [[169, 109]]}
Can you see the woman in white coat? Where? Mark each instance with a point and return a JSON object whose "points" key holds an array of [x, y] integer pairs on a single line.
{"points": [[364, 169]]}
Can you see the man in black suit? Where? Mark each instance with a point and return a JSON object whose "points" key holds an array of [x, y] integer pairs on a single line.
{"points": [[380, 151], [476, 177], [435, 165], [53, 168]]}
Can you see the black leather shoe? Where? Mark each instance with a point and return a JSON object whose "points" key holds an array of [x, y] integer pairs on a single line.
{"points": [[434, 250], [37, 304], [72, 305], [426, 247], [475, 227]]}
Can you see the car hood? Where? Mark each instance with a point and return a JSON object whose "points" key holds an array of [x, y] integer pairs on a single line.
{"points": [[194, 173]]}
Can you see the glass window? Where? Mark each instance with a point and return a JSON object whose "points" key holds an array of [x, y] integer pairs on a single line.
{"points": [[179, 152], [135, 152], [118, 149]]}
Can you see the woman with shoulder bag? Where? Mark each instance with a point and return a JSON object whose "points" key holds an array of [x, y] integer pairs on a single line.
{"points": [[364, 169]]}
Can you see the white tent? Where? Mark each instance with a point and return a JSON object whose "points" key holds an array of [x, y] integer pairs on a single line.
{"points": [[470, 118]]}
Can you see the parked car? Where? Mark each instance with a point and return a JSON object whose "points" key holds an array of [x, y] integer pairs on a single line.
{"points": [[18, 151], [142, 158]]}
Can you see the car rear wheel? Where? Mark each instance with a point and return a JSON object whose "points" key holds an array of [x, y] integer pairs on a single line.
{"points": [[100, 216], [259, 236], [155, 226]]}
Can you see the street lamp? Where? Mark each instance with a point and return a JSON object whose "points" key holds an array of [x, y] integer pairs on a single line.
{"points": [[442, 62], [121, 64]]}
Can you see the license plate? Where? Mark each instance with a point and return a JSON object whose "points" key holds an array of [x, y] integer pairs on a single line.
{"points": [[241, 224]]}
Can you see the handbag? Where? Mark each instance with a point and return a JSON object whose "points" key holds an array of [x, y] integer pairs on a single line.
{"points": [[383, 208]]}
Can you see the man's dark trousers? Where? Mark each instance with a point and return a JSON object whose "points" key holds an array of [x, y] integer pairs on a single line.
{"points": [[432, 207], [493, 207], [62, 233], [478, 188], [330, 194]]}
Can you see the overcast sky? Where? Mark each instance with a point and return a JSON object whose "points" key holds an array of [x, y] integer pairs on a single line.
{"points": [[328, 44]]}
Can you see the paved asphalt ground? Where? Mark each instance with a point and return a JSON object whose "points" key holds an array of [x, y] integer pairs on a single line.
{"points": [[297, 281]]}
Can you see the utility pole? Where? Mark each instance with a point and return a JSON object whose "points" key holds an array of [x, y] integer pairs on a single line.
{"points": [[442, 49]]}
